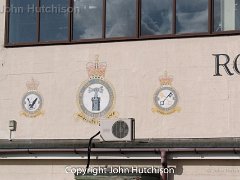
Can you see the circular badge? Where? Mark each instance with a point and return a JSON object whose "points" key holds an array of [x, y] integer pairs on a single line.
{"points": [[165, 98], [96, 98], [32, 102]]}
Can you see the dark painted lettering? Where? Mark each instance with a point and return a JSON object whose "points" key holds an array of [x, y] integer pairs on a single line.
{"points": [[235, 64], [218, 64]]}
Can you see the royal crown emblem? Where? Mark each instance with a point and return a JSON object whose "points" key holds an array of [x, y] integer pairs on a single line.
{"points": [[165, 97], [166, 80], [32, 85], [96, 96], [96, 70]]}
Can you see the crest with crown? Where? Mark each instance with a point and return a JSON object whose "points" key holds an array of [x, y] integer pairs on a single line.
{"points": [[32, 85], [96, 70], [166, 80]]}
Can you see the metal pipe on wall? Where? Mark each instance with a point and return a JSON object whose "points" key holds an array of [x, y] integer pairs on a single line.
{"points": [[164, 164], [115, 150]]}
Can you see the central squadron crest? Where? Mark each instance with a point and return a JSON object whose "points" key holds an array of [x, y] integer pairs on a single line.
{"points": [[96, 96]]}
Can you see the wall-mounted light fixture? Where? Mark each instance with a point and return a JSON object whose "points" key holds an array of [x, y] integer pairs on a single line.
{"points": [[12, 127]]}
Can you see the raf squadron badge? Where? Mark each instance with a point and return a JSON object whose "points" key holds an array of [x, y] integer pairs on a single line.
{"points": [[165, 97], [96, 96], [32, 101]]}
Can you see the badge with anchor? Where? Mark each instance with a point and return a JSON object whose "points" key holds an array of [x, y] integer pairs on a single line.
{"points": [[32, 100], [96, 96], [166, 98]]}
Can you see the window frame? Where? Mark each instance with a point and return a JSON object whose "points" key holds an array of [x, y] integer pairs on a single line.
{"points": [[138, 36], [221, 32], [38, 22], [39, 27], [104, 38], [123, 38], [160, 35], [71, 40], [7, 24]]}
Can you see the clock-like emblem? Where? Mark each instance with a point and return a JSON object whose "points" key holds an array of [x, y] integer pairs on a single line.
{"points": [[32, 100], [166, 97], [96, 96]]}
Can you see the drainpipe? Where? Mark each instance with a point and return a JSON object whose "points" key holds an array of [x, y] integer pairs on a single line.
{"points": [[164, 164]]}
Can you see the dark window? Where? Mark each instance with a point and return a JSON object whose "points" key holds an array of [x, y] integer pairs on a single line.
{"points": [[226, 15], [54, 20], [191, 16], [156, 17], [22, 21], [121, 18], [71, 21], [87, 19]]}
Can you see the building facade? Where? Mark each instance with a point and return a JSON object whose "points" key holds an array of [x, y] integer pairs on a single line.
{"points": [[170, 65]]}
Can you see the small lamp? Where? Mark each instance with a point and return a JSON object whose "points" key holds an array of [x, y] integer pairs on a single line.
{"points": [[12, 127]]}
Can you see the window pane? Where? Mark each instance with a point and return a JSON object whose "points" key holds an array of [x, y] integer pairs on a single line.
{"points": [[54, 20], [22, 22], [192, 16], [87, 19], [156, 17], [121, 18], [226, 15]]}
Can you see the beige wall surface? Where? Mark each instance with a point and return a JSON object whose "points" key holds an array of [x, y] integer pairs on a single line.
{"points": [[209, 105], [56, 169]]}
